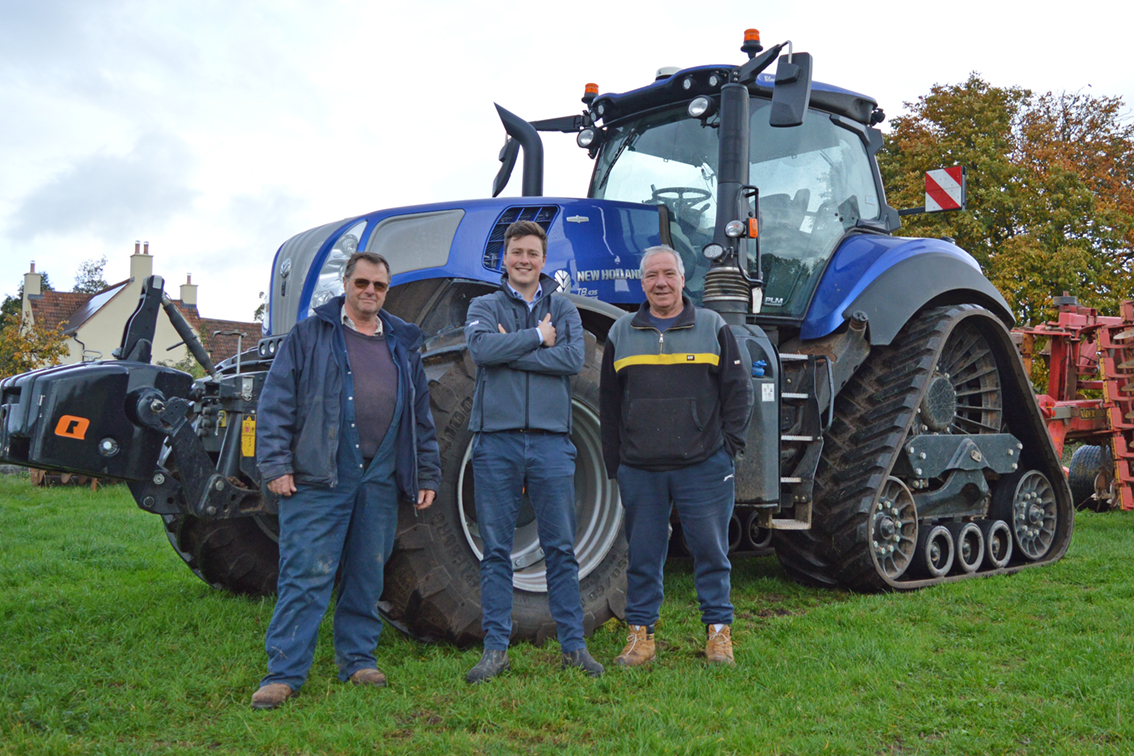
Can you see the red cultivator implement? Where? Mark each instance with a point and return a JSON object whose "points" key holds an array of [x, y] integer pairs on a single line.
{"points": [[1090, 398]]}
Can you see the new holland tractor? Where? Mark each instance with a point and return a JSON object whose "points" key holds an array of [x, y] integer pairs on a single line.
{"points": [[895, 442]]}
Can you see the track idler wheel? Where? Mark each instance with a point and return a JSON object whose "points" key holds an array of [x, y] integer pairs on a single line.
{"points": [[1027, 503], [969, 543], [997, 543], [893, 529], [935, 551]]}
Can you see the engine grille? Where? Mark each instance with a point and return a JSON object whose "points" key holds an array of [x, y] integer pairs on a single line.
{"points": [[494, 250]]}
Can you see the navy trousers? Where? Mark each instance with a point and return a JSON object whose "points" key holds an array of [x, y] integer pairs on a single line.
{"points": [[504, 464], [704, 495], [351, 526]]}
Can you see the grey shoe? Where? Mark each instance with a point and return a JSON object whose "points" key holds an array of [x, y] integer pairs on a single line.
{"points": [[582, 659], [490, 665]]}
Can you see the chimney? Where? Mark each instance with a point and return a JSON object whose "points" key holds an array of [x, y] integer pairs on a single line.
{"points": [[32, 282], [141, 265], [189, 292]]}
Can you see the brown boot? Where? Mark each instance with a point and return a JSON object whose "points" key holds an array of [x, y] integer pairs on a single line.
{"points": [[639, 648], [718, 648], [271, 695], [370, 676]]}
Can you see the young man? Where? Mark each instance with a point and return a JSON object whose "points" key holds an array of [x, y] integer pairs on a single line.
{"points": [[526, 343], [344, 428], [675, 403]]}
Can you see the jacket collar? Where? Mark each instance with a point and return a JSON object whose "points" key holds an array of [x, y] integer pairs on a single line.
{"points": [[686, 318], [406, 333]]}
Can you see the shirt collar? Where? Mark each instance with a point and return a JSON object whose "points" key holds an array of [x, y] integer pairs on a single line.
{"points": [[350, 323], [519, 296]]}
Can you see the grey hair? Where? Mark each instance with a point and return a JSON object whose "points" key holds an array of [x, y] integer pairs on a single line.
{"points": [[657, 251]]}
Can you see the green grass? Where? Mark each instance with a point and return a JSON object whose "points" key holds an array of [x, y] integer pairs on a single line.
{"points": [[108, 644]]}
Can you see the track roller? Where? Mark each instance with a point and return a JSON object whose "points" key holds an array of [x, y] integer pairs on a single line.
{"points": [[935, 552], [1027, 503], [997, 543], [969, 543]]}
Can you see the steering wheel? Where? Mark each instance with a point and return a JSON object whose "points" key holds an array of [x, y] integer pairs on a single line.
{"points": [[686, 195]]}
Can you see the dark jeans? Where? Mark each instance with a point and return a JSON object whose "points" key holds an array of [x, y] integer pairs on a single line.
{"points": [[704, 495], [351, 526], [503, 465]]}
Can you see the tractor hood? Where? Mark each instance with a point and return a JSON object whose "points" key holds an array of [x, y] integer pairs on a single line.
{"points": [[594, 247]]}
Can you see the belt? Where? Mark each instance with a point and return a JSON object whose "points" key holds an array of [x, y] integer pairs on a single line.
{"points": [[535, 431]]}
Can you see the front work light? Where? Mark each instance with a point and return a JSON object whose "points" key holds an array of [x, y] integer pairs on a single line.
{"points": [[586, 138], [734, 229], [701, 107]]}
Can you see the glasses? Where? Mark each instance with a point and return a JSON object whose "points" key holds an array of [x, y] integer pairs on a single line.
{"points": [[362, 284]]}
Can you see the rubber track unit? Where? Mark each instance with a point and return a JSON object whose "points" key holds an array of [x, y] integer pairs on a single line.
{"points": [[873, 415]]}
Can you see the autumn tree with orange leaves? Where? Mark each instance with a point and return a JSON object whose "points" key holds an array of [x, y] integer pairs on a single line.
{"points": [[1050, 188], [25, 347]]}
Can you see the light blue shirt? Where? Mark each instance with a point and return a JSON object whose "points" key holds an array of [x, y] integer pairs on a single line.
{"points": [[518, 295]]}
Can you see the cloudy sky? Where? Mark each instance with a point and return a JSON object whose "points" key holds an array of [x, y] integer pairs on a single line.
{"points": [[218, 129]]}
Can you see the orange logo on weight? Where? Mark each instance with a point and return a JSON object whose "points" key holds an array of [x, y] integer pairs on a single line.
{"points": [[70, 426]]}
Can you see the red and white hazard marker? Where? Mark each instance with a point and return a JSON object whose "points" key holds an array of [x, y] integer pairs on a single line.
{"points": [[945, 189]]}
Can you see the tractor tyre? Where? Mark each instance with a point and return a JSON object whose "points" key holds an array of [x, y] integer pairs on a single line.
{"points": [[237, 555], [432, 586], [951, 370]]}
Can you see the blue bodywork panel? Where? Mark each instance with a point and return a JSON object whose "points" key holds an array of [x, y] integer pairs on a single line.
{"points": [[597, 243], [856, 264]]}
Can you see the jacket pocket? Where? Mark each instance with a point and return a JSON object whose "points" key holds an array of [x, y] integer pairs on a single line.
{"points": [[663, 430]]}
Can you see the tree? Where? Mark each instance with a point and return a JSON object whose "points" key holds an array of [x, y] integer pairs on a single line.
{"points": [[1050, 188], [261, 309], [89, 279], [25, 347]]}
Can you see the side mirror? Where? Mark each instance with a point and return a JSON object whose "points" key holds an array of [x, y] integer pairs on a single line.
{"points": [[507, 159], [792, 93]]}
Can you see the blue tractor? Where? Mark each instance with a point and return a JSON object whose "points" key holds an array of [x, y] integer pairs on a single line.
{"points": [[895, 442]]}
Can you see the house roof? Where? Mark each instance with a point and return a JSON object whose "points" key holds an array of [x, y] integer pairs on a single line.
{"points": [[222, 347], [52, 308], [93, 304]]}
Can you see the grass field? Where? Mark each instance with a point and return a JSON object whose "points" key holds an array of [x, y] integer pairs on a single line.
{"points": [[110, 645]]}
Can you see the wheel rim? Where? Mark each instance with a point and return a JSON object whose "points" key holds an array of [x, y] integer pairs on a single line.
{"points": [[970, 547], [998, 543], [598, 511], [893, 529], [1034, 515], [968, 366], [939, 551]]}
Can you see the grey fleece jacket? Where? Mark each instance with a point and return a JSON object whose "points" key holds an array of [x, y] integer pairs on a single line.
{"points": [[521, 384]]}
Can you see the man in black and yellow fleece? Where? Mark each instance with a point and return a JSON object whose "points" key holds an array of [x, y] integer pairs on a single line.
{"points": [[675, 397]]}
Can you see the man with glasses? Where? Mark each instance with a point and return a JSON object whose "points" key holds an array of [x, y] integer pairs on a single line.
{"points": [[344, 432]]}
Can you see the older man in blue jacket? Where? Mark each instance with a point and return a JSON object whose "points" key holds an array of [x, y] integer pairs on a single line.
{"points": [[344, 430], [527, 343]]}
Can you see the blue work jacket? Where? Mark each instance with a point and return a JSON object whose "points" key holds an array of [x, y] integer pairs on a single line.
{"points": [[301, 407]]}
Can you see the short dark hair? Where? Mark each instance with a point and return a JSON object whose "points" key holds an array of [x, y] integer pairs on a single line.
{"points": [[371, 257], [525, 228]]}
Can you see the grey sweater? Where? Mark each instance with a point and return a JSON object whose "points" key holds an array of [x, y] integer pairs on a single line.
{"points": [[521, 384]]}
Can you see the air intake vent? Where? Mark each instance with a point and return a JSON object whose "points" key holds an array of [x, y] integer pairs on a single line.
{"points": [[494, 250]]}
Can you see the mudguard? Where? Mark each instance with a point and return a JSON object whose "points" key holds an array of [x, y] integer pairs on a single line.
{"points": [[892, 278]]}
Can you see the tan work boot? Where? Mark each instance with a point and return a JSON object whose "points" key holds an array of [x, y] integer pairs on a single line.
{"points": [[370, 676], [718, 648], [271, 695], [639, 648]]}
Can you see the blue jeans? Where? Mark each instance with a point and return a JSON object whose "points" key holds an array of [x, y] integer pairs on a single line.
{"points": [[503, 465], [704, 495], [351, 526]]}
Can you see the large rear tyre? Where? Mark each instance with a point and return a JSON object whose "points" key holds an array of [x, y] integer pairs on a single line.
{"points": [[432, 587]]}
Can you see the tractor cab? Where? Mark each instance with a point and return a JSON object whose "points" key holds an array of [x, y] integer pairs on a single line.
{"points": [[815, 182]]}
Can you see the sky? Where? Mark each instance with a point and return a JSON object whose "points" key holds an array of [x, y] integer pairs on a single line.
{"points": [[216, 130]]}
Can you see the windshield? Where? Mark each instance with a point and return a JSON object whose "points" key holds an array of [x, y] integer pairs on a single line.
{"points": [[815, 182]]}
